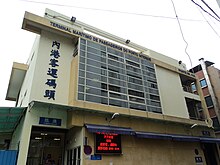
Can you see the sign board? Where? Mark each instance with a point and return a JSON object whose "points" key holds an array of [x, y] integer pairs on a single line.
{"points": [[96, 157], [50, 121], [108, 143]]}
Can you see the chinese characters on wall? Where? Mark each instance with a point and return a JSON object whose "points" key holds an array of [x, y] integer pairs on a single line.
{"points": [[52, 71]]}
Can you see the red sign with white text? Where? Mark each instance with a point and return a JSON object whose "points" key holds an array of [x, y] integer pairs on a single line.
{"points": [[108, 143]]}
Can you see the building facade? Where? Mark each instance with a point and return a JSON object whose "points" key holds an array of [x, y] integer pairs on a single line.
{"points": [[95, 98], [209, 78]]}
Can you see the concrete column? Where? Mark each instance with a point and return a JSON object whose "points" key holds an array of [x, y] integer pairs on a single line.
{"points": [[24, 141]]}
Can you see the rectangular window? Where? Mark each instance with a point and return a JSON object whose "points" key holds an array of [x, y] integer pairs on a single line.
{"points": [[113, 77], [135, 93], [208, 101], [203, 83], [193, 87], [132, 63], [114, 88]]}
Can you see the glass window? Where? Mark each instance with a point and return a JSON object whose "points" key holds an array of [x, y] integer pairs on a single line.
{"points": [[132, 58], [118, 103], [95, 45], [108, 76], [132, 63], [215, 122], [135, 86], [114, 88], [137, 106], [115, 52], [135, 99], [131, 68], [135, 93], [116, 82], [96, 91], [208, 101], [154, 109], [193, 87], [154, 97], [93, 83], [96, 99], [117, 95], [81, 88], [80, 96], [134, 80], [203, 83]]}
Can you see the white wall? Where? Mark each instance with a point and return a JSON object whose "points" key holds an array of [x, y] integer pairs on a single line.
{"points": [[171, 93], [42, 67]]}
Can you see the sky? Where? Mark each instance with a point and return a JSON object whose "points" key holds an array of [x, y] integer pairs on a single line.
{"points": [[149, 23]]}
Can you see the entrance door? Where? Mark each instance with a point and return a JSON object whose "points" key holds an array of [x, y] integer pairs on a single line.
{"points": [[210, 152], [46, 147]]}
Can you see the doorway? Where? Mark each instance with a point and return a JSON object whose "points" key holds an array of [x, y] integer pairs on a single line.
{"points": [[210, 152], [46, 146]]}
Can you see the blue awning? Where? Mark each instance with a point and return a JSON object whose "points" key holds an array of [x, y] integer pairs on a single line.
{"points": [[209, 140], [151, 135], [109, 129], [175, 137], [185, 138]]}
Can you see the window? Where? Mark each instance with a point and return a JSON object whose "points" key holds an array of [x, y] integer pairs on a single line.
{"points": [[113, 77], [208, 101], [135, 93], [74, 156], [132, 63], [203, 83], [215, 122], [193, 87], [114, 88]]}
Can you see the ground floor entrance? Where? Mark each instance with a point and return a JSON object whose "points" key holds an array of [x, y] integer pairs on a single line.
{"points": [[46, 146]]}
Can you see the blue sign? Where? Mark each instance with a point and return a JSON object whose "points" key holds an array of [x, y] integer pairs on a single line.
{"points": [[50, 121], [96, 157]]}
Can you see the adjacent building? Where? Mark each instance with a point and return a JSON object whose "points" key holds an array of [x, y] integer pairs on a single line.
{"points": [[209, 78], [90, 97]]}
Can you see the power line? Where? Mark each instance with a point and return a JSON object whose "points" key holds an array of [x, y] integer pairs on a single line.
{"points": [[210, 9], [181, 31], [209, 24], [112, 11], [204, 10]]}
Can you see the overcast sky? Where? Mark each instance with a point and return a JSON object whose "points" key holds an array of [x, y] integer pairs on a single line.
{"points": [[150, 23]]}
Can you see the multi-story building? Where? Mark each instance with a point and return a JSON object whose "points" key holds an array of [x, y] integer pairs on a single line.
{"points": [[209, 78], [94, 98]]}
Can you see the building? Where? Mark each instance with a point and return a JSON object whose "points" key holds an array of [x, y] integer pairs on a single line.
{"points": [[209, 78], [93, 98]]}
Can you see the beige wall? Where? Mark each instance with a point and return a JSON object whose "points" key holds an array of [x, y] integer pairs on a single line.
{"points": [[214, 75], [139, 150], [142, 151], [171, 93]]}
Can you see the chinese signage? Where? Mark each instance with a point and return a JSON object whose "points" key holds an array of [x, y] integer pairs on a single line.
{"points": [[50, 121], [52, 71], [108, 143]]}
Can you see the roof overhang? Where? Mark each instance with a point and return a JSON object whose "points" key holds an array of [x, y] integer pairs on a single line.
{"points": [[10, 117], [16, 80]]}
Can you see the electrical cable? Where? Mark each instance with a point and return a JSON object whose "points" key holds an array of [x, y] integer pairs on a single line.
{"points": [[210, 9], [209, 24], [112, 11], [181, 31], [205, 10]]}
